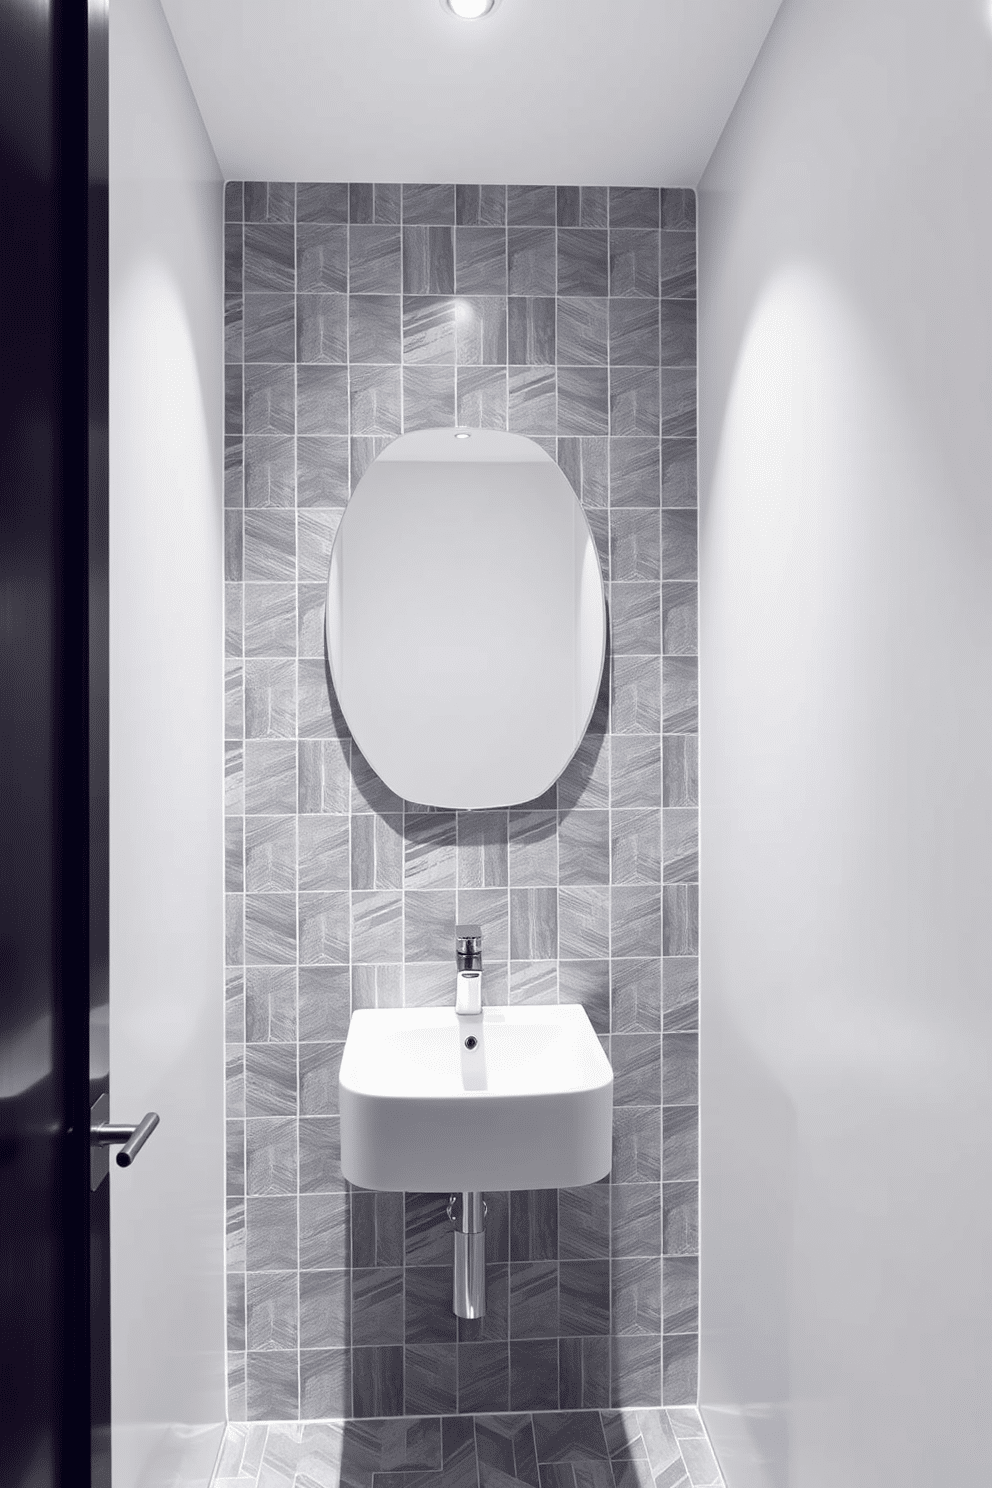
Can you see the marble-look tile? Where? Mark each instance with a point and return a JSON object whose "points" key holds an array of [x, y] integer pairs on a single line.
{"points": [[387, 202], [268, 201], [680, 1219], [569, 1436], [321, 201], [233, 472], [482, 849], [583, 332], [636, 1376], [585, 782], [315, 718], [700, 1461], [428, 1314], [533, 1225], [271, 1310], [587, 982], [533, 923], [377, 926], [270, 698], [680, 1077], [325, 1387], [234, 700], [534, 1374], [680, 1135], [323, 1229], [234, 340], [678, 333], [679, 623], [637, 1147], [636, 1284], [376, 1229], [322, 471], [679, 695], [269, 619], [324, 776], [678, 474], [678, 265], [489, 908], [636, 1060], [635, 400], [480, 330], [429, 328], [269, 328], [319, 1066], [270, 1155], [269, 400], [428, 203], [321, 259], [531, 330], [374, 260], [635, 772], [428, 260], [270, 1079], [234, 928], [310, 620], [585, 461], [269, 257], [270, 1228], [431, 1381], [635, 476], [361, 202], [505, 1449], [324, 1309], [635, 541], [534, 1299], [429, 925], [270, 929], [480, 261], [322, 1003], [679, 542], [364, 450], [681, 993], [480, 206], [483, 1377], [582, 261], [585, 1297], [377, 1381], [481, 397], [585, 922], [234, 381], [584, 1223], [634, 206], [583, 848], [376, 851], [583, 400], [320, 1155], [322, 399], [636, 847], [681, 831], [374, 328], [531, 206], [269, 777], [533, 848], [532, 400], [375, 401], [681, 919], [678, 208], [270, 855], [428, 398], [531, 261], [534, 982], [495, 1326], [269, 471], [273, 1385], [634, 340], [636, 1218], [323, 928], [678, 402], [634, 263], [636, 994]]}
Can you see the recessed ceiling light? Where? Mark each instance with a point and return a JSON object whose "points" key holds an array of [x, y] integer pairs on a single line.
{"points": [[469, 10], [463, 436]]}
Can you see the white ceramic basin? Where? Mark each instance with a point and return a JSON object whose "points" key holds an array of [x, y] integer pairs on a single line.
{"points": [[530, 1106]]}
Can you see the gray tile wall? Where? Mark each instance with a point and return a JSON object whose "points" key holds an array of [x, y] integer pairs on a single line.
{"points": [[355, 313]]}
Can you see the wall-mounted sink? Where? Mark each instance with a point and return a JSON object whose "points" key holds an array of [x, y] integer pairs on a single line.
{"points": [[515, 1097]]}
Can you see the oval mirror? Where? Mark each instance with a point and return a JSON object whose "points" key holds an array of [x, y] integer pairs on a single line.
{"points": [[466, 623]]}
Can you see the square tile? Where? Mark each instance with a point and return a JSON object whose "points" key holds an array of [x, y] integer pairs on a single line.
{"points": [[583, 261], [531, 261], [428, 260], [374, 260], [480, 261], [322, 258]]}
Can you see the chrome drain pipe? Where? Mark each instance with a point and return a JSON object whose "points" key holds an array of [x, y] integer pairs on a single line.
{"points": [[467, 1212]]}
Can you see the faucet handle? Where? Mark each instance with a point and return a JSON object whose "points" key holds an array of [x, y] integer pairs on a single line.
{"points": [[468, 940]]}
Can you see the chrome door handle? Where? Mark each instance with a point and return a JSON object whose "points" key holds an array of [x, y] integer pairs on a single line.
{"points": [[133, 1137]]}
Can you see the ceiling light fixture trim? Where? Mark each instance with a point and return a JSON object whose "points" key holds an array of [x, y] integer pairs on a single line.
{"points": [[469, 10]]}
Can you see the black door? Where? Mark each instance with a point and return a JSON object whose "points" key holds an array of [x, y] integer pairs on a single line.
{"points": [[54, 1280]]}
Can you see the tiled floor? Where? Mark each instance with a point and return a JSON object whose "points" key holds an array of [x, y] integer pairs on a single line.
{"points": [[552, 1449]]}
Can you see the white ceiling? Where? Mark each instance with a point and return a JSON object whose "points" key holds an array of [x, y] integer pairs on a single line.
{"points": [[595, 92]]}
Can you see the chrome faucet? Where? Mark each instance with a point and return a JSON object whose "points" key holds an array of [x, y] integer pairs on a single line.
{"points": [[468, 957]]}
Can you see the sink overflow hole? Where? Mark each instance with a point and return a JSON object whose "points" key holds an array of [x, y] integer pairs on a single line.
{"points": [[471, 1041]]}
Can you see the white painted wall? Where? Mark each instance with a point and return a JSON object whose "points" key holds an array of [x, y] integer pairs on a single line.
{"points": [[846, 387], [166, 591]]}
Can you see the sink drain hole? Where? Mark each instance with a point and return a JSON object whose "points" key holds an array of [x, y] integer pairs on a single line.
{"points": [[471, 1041]]}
